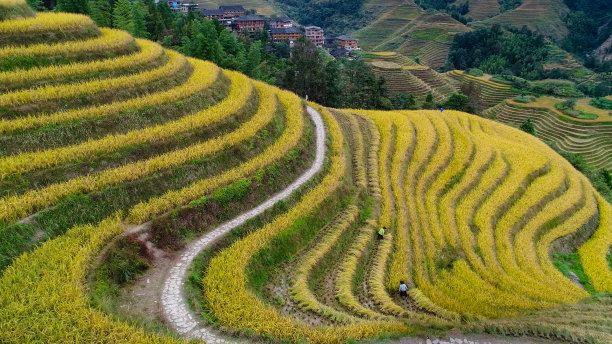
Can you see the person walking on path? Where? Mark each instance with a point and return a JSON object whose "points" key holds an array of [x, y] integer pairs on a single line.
{"points": [[403, 289], [381, 233]]}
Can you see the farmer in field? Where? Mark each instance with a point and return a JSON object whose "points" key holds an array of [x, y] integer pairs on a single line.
{"points": [[381, 233], [403, 289]]}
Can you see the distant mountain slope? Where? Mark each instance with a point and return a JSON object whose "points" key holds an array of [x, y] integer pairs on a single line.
{"points": [[543, 16]]}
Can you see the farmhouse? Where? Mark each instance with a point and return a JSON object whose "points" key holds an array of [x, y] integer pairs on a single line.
{"points": [[315, 35], [346, 42], [249, 23], [281, 22], [285, 34], [232, 11], [213, 14], [183, 6]]}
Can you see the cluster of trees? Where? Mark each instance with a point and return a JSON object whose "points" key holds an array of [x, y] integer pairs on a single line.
{"points": [[520, 52], [589, 23], [458, 12], [508, 5], [335, 16], [337, 83]]}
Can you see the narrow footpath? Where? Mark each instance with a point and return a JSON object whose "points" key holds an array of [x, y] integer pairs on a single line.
{"points": [[173, 304]]}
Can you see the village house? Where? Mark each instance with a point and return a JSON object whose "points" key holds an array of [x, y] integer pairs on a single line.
{"points": [[290, 34], [281, 22], [346, 42], [231, 12], [250, 23], [186, 7], [183, 6], [213, 14], [315, 35], [330, 42]]}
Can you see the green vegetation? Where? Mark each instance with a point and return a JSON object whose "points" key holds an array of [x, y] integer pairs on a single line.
{"points": [[528, 127], [508, 5], [524, 99], [520, 52], [568, 264], [336, 16], [475, 72], [601, 103], [457, 12], [567, 107], [589, 25], [600, 178]]}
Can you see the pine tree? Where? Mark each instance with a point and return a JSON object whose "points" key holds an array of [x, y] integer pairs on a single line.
{"points": [[138, 24], [74, 6], [333, 84], [101, 12], [36, 5], [528, 126], [252, 67], [122, 15]]}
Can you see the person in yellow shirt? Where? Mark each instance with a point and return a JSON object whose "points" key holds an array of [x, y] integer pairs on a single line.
{"points": [[381, 232]]}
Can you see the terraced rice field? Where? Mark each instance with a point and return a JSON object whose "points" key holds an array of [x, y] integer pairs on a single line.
{"points": [[591, 139], [412, 32], [389, 56], [490, 93], [429, 38], [270, 207], [416, 80], [544, 16], [482, 9]]}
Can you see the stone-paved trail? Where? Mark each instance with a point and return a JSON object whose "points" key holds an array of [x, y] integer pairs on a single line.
{"points": [[174, 307]]}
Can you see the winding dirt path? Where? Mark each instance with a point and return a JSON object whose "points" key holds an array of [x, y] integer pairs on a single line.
{"points": [[173, 304]]}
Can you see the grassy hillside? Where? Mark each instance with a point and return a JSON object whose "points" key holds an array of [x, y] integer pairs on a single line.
{"points": [[263, 7], [409, 30], [544, 16], [119, 156]]}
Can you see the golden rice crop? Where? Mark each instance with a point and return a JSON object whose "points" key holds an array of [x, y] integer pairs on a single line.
{"points": [[525, 239], [45, 21], [12, 2], [593, 254], [293, 131], [43, 294], [15, 206], [110, 40], [240, 91], [577, 220], [234, 306], [497, 85], [460, 156], [175, 63], [149, 52], [203, 75], [300, 291], [344, 280]]}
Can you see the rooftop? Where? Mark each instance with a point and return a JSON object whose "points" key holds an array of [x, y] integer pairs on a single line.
{"points": [[281, 19], [231, 8], [312, 28], [345, 38], [212, 12], [249, 18], [285, 30]]}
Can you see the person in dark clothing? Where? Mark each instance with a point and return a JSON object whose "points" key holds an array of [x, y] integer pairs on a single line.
{"points": [[381, 233], [403, 289]]}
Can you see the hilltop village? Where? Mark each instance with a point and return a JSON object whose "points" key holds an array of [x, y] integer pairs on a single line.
{"points": [[237, 19]]}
